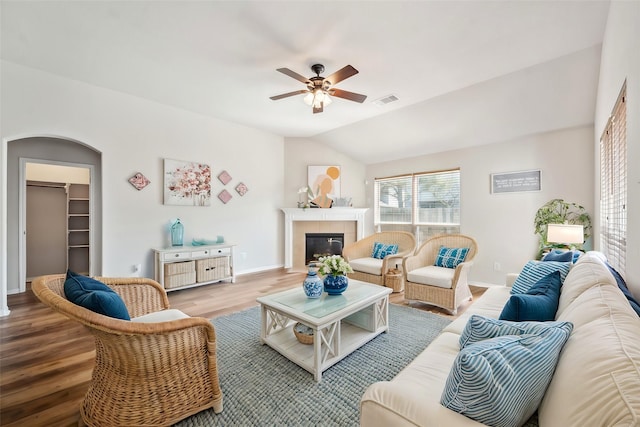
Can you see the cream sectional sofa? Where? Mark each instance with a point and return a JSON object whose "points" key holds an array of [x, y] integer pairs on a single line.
{"points": [[596, 381]]}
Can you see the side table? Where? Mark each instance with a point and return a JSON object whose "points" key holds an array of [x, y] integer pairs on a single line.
{"points": [[394, 279]]}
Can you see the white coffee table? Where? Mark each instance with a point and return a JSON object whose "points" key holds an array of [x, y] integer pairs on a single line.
{"points": [[340, 323]]}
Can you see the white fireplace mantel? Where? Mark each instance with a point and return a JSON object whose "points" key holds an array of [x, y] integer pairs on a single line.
{"points": [[316, 214]]}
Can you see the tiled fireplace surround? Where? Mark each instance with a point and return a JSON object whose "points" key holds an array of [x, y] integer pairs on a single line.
{"points": [[298, 222]]}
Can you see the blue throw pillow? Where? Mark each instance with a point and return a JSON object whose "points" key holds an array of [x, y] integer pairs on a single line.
{"points": [[625, 290], [560, 256], [501, 381], [381, 250], [480, 328], [450, 257], [540, 303], [95, 296], [536, 270]]}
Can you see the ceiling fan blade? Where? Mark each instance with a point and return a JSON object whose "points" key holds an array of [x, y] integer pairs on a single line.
{"points": [[318, 109], [286, 95], [295, 75], [345, 94], [341, 74]]}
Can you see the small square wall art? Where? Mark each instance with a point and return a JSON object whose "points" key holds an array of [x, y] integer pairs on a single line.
{"points": [[242, 189], [224, 196], [187, 183], [139, 181], [224, 177]]}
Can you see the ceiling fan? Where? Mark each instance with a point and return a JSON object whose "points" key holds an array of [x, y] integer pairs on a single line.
{"points": [[319, 88]]}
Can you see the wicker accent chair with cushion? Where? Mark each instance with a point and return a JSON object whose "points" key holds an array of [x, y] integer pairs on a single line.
{"points": [[442, 286], [156, 369], [370, 269]]}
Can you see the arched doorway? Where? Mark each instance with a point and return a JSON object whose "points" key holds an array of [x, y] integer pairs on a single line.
{"points": [[54, 150]]}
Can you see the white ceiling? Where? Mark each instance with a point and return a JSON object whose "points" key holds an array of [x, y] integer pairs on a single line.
{"points": [[465, 72]]}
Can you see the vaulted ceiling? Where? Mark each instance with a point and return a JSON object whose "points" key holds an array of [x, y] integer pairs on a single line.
{"points": [[464, 72]]}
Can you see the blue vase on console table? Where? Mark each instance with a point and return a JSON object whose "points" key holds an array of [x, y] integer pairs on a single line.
{"points": [[312, 284], [335, 285]]}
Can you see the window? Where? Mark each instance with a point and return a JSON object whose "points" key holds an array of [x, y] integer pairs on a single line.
{"points": [[613, 186], [425, 204]]}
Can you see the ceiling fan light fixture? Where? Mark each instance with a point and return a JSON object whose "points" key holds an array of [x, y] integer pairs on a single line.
{"points": [[317, 98], [319, 88]]}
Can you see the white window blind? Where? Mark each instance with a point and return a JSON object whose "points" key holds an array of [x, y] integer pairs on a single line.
{"points": [[613, 186]]}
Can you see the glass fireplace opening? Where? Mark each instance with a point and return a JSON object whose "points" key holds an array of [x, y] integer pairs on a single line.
{"points": [[322, 244]]}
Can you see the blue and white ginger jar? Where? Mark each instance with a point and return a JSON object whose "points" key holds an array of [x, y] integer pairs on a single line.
{"points": [[312, 285]]}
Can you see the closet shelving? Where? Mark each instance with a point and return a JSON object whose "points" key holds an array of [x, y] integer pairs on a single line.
{"points": [[78, 226]]}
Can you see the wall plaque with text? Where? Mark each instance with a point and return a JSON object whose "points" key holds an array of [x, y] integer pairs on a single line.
{"points": [[512, 182]]}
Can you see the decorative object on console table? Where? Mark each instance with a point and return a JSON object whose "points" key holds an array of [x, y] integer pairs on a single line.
{"points": [[312, 284], [187, 183], [324, 182], [177, 233]]}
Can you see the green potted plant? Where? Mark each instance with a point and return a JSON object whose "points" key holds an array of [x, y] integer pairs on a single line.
{"points": [[557, 211]]}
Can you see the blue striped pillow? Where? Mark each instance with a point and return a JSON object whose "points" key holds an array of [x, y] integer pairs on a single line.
{"points": [[450, 257], [480, 328], [381, 250], [501, 381], [533, 271]]}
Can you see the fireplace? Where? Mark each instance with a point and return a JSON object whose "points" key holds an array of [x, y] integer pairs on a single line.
{"points": [[298, 222], [322, 244]]}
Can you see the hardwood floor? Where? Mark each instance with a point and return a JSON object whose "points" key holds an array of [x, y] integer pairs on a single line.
{"points": [[46, 360]]}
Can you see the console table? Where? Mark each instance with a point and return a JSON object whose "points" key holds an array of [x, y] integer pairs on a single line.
{"points": [[181, 267]]}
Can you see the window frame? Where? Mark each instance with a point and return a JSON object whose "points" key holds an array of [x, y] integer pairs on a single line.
{"points": [[418, 227]]}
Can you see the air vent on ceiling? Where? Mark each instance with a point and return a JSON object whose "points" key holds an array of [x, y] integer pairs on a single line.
{"points": [[385, 100]]}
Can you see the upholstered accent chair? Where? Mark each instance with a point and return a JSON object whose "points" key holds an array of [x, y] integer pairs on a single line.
{"points": [[440, 286], [370, 269], [156, 369]]}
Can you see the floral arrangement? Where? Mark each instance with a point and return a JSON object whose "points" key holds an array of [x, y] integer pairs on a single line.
{"points": [[334, 265], [304, 194], [192, 180]]}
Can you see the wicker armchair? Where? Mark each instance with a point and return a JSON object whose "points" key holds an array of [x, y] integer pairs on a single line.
{"points": [[145, 373], [449, 286], [367, 269]]}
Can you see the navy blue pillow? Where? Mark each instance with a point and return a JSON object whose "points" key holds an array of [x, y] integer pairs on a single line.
{"points": [[539, 304], [560, 256], [623, 287], [95, 296]]}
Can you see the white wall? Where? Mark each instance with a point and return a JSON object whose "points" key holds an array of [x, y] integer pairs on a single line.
{"points": [[620, 61], [134, 135], [55, 173], [300, 153], [503, 223]]}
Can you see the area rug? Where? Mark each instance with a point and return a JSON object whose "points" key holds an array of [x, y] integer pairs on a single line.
{"points": [[263, 388]]}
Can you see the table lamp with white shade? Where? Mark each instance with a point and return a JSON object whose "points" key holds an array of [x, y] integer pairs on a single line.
{"points": [[566, 234]]}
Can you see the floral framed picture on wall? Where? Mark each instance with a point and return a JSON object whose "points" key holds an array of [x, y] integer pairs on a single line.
{"points": [[187, 183]]}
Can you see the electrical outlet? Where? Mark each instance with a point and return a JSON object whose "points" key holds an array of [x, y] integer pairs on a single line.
{"points": [[496, 266]]}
